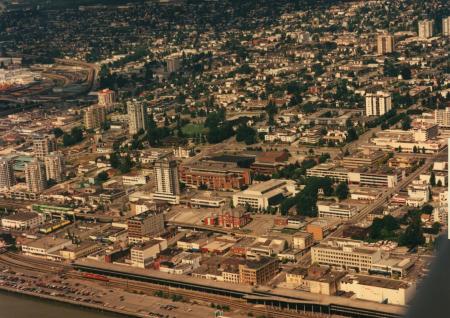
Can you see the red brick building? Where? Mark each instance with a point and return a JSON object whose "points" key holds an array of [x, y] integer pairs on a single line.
{"points": [[233, 218], [215, 175]]}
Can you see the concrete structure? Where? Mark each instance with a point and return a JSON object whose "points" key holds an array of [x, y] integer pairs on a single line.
{"points": [[377, 289], [43, 145], [143, 254], [442, 117], [137, 116], [346, 254], [302, 240], [75, 251], [35, 176], [167, 181], [145, 224], [425, 29], [107, 97], [7, 178], [47, 247], [258, 272], [54, 166], [378, 104], [262, 195], [356, 255], [446, 26], [336, 210], [94, 116], [365, 158], [385, 44], [23, 220]]}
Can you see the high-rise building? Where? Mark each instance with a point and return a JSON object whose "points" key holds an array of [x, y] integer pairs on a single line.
{"points": [[94, 116], [107, 97], [442, 117], [137, 116], [385, 44], [426, 29], [54, 166], [378, 104], [167, 181], [173, 64], [7, 178], [446, 26], [43, 145], [149, 223], [35, 176]]}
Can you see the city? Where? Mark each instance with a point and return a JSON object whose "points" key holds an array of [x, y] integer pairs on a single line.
{"points": [[254, 158]]}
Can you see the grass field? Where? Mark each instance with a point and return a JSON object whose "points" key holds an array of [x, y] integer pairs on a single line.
{"points": [[192, 130]]}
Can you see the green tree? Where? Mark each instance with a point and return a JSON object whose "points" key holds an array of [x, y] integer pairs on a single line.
{"points": [[342, 191], [432, 179]]}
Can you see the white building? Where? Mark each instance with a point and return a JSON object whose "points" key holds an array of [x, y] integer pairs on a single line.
{"points": [[336, 210], [385, 44], [7, 178], [54, 166], [426, 29], [35, 176], [378, 104], [302, 240], [144, 253], [446, 26], [260, 196], [377, 289], [134, 179], [418, 194], [23, 220], [43, 145], [137, 116], [167, 182]]}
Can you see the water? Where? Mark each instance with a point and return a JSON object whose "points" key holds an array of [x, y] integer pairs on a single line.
{"points": [[17, 306]]}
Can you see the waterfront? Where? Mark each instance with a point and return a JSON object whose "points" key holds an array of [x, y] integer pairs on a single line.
{"points": [[25, 307]]}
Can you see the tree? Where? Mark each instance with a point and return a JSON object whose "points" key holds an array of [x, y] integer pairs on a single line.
{"points": [[342, 191], [246, 134], [58, 132], [102, 177], [413, 235], [432, 179]]}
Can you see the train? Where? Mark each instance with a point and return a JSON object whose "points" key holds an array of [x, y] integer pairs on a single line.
{"points": [[96, 277]]}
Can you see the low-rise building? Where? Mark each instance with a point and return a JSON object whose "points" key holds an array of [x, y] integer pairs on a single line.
{"points": [[23, 220], [258, 272], [143, 254], [377, 289]]}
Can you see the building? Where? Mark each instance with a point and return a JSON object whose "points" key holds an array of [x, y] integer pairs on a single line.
{"points": [[7, 178], [233, 218], [345, 254], [167, 182], [302, 240], [137, 116], [107, 97], [47, 247], [54, 167], [442, 117], [75, 251], [145, 224], [43, 145], [258, 272], [446, 26], [94, 116], [426, 29], [215, 175], [377, 289], [365, 158], [330, 170], [35, 176], [336, 210], [135, 179], [23, 220], [142, 254], [385, 44], [173, 64], [378, 104], [262, 195]]}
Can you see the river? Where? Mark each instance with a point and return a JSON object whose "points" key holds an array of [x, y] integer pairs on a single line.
{"points": [[18, 306]]}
